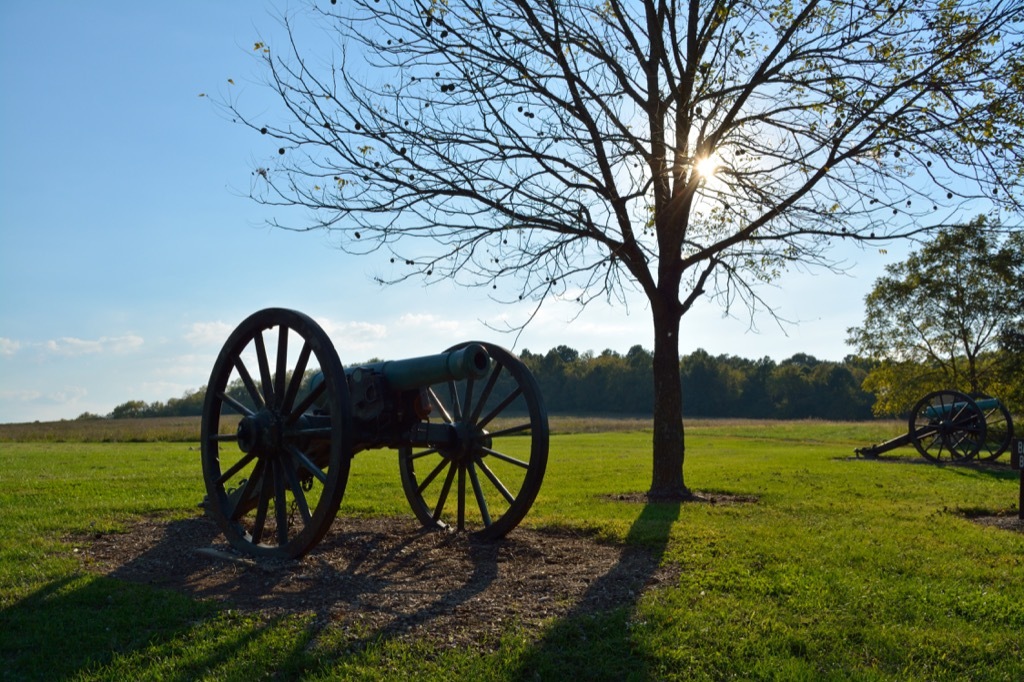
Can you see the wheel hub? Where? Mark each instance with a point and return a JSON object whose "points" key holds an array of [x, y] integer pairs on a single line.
{"points": [[467, 442], [260, 434]]}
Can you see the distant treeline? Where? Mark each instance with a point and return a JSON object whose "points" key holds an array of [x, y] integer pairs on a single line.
{"points": [[611, 383], [713, 386]]}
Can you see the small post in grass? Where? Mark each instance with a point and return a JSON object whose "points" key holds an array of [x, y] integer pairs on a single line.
{"points": [[1017, 460]]}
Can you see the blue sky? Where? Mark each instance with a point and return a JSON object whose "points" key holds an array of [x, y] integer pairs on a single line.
{"points": [[128, 251]]}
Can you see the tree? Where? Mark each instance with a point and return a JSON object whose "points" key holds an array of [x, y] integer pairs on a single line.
{"points": [[130, 409], [577, 149], [1011, 343], [939, 319]]}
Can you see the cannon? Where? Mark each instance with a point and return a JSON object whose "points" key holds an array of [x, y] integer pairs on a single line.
{"points": [[282, 420], [949, 425]]}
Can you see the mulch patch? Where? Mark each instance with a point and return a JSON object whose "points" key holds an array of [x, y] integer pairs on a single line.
{"points": [[1004, 521], [724, 499], [386, 577]]}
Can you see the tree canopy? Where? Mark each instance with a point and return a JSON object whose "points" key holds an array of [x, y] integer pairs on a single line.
{"points": [[577, 149], [945, 318]]}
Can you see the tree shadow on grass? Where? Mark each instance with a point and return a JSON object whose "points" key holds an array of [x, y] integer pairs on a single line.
{"points": [[589, 645], [80, 622]]}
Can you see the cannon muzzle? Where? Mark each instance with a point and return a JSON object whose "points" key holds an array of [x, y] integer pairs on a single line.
{"points": [[471, 362]]}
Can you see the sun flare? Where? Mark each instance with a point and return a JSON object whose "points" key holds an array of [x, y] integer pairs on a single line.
{"points": [[706, 166]]}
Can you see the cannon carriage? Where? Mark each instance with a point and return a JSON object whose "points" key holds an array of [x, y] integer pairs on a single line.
{"points": [[949, 425], [283, 419]]}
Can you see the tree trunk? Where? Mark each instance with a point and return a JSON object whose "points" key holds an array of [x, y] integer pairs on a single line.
{"points": [[669, 446]]}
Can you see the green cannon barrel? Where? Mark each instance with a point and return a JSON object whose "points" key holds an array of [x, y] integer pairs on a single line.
{"points": [[471, 362], [943, 411]]}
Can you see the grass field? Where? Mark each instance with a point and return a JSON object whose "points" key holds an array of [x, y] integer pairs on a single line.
{"points": [[842, 568]]}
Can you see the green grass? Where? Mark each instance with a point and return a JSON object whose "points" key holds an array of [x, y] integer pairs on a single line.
{"points": [[843, 569]]}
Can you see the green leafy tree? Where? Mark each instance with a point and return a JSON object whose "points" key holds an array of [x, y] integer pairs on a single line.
{"points": [[940, 319], [1011, 343], [131, 409], [580, 149]]}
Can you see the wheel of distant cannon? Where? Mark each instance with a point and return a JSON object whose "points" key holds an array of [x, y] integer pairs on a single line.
{"points": [[276, 444], [485, 480], [998, 426], [947, 426]]}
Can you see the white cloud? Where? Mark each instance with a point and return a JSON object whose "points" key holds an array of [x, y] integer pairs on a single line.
{"points": [[67, 395], [417, 318], [59, 396], [206, 333], [20, 396], [9, 346], [431, 323], [70, 346], [347, 336], [165, 389]]}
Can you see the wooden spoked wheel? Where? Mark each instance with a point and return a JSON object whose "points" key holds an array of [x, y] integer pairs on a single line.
{"points": [[487, 477], [998, 426], [276, 435], [947, 426]]}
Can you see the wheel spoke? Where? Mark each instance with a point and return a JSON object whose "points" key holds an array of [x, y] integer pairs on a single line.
{"points": [[239, 407], [309, 432], [496, 483], [506, 458], [440, 406], [433, 474], [964, 444], [264, 365], [501, 407], [508, 431], [282, 365], [296, 383], [306, 463], [461, 513], [453, 393], [280, 503], [252, 488], [307, 402], [486, 394], [479, 493], [235, 468], [468, 396], [998, 426], [444, 492], [261, 507], [250, 386], [297, 493], [431, 451]]}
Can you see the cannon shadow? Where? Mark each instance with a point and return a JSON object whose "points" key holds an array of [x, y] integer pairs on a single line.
{"points": [[381, 577]]}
